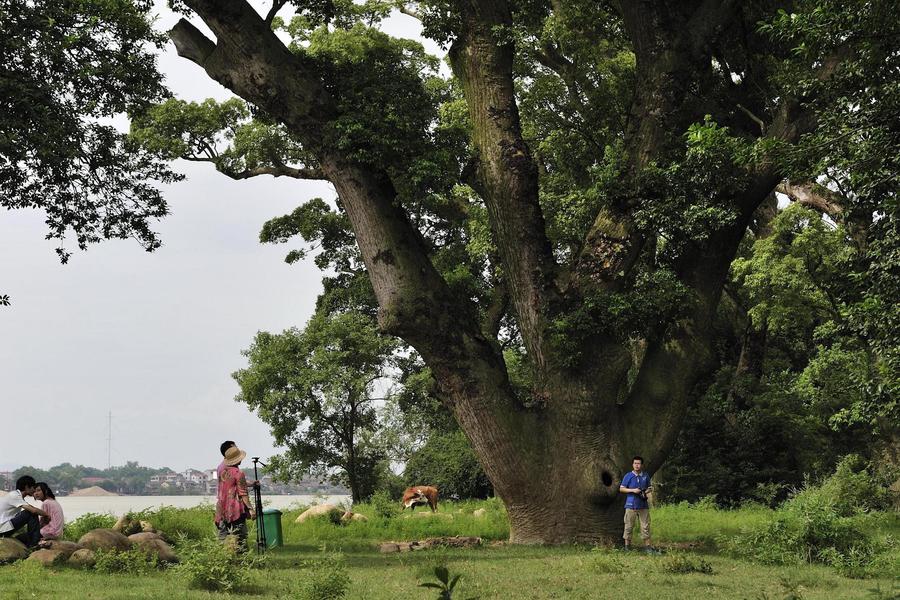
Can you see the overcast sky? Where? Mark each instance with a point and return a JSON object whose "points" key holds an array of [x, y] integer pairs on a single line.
{"points": [[150, 337]]}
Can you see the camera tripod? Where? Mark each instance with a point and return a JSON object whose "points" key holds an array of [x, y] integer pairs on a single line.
{"points": [[261, 544]]}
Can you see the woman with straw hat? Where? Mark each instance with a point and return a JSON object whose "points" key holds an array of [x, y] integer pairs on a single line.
{"points": [[233, 506]]}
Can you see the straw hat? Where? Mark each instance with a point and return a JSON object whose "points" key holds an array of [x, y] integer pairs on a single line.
{"points": [[234, 456]]}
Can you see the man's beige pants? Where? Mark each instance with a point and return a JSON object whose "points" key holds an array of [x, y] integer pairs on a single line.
{"points": [[630, 515]]}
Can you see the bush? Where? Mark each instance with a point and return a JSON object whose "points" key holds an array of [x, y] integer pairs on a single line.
{"points": [[87, 522], [383, 506], [179, 523], [129, 562], [821, 524], [683, 564], [324, 579], [210, 565], [853, 489]]}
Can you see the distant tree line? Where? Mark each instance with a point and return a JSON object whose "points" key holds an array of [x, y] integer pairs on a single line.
{"points": [[130, 478]]}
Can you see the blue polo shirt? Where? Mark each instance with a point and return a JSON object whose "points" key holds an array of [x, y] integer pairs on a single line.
{"points": [[631, 480]]}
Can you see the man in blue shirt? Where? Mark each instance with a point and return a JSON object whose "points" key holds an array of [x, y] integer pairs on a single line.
{"points": [[636, 484]]}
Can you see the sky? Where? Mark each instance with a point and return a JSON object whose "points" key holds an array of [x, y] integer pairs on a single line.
{"points": [[151, 338]]}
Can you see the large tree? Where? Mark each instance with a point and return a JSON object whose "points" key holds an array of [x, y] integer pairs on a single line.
{"points": [[551, 230]]}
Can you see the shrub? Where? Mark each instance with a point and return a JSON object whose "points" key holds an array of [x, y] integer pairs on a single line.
{"points": [[87, 522], [128, 562], [383, 506], [683, 564], [819, 524], [209, 565], [193, 523], [324, 579], [853, 489]]}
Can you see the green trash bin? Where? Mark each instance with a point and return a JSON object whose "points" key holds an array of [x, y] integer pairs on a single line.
{"points": [[271, 521]]}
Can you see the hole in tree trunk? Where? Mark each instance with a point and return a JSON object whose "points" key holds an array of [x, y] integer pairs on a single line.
{"points": [[606, 478]]}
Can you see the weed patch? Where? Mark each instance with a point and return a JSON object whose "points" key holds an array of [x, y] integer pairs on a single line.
{"points": [[128, 562], [682, 564]]}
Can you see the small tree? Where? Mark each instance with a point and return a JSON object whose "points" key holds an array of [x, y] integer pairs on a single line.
{"points": [[313, 387]]}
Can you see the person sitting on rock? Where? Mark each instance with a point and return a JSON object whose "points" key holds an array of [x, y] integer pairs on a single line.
{"points": [[52, 525], [16, 513]]}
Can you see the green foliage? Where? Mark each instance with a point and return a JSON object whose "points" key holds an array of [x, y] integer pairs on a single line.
{"points": [[605, 562], [822, 523], [136, 561], [179, 523], [383, 505], [67, 66], [313, 387], [683, 564], [444, 584], [73, 530], [207, 564], [324, 578], [449, 463]]}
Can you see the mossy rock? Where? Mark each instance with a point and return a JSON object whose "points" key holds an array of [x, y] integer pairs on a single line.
{"points": [[83, 558], [105, 539], [12, 550], [47, 557], [153, 544], [319, 510], [66, 547]]}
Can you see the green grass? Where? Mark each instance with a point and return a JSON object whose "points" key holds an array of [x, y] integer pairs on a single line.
{"points": [[488, 572]]}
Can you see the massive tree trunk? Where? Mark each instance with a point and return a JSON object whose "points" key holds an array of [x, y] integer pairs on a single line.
{"points": [[556, 460]]}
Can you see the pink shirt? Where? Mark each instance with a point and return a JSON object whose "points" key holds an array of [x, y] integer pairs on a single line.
{"points": [[232, 489], [53, 528]]}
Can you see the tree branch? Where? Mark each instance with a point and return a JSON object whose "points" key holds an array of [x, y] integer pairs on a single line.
{"points": [[276, 6], [190, 43], [506, 172], [276, 171], [813, 195]]}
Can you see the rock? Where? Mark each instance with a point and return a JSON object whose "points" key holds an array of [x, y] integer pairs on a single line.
{"points": [[479, 512], [352, 516], [319, 510], [47, 557], [388, 547], [67, 548], [12, 550], [154, 545], [105, 539], [457, 541], [83, 558], [144, 536]]}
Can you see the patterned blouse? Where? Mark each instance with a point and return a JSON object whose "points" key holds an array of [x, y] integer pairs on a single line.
{"points": [[232, 488]]}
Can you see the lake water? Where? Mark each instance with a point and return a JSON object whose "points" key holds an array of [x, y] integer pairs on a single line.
{"points": [[75, 506]]}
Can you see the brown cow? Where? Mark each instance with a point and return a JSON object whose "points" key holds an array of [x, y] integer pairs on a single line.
{"points": [[420, 494]]}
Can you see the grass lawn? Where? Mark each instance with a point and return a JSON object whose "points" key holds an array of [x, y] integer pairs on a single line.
{"points": [[492, 571]]}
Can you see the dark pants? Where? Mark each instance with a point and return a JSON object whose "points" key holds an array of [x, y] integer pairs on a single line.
{"points": [[236, 528], [32, 534]]}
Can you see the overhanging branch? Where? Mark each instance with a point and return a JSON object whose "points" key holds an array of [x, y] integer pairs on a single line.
{"points": [[190, 43]]}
